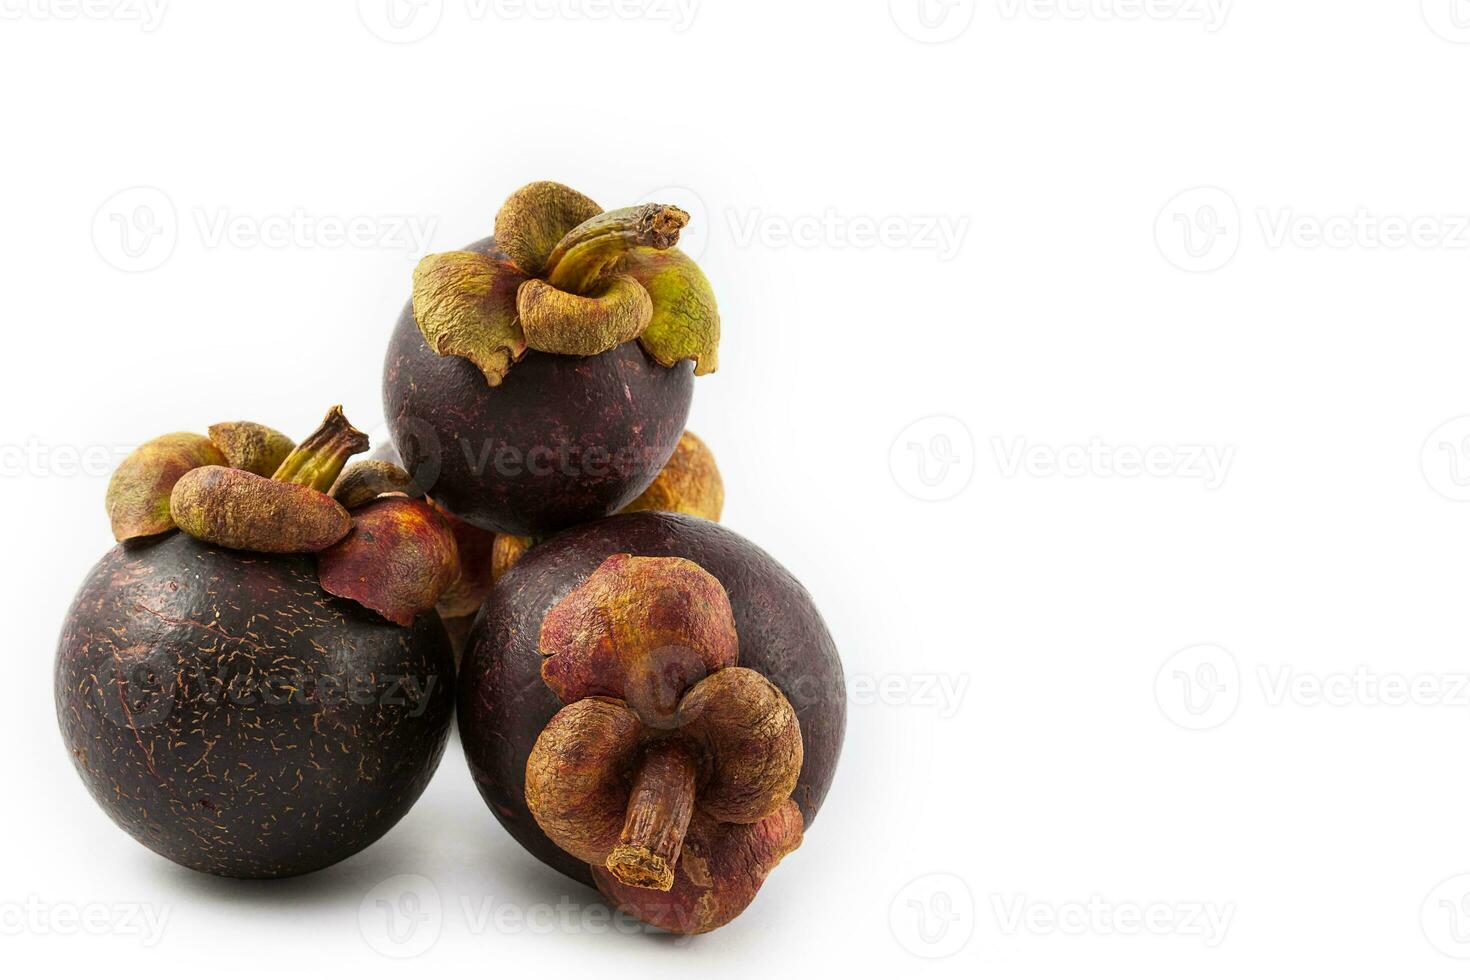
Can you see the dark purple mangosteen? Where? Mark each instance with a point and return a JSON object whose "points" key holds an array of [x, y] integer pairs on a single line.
{"points": [[234, 703], [542, 377]]}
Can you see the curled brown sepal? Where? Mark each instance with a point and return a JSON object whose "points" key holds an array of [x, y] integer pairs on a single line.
{"points": [[138, 494], [689, 483], [476, 563], [237, 509], [721, 869], [365, 480], [398, 559], [686, 320], [251, 446], [465, 305], [643, 630], [620, 794], [646, 751], [319, 460], [535, 218]]}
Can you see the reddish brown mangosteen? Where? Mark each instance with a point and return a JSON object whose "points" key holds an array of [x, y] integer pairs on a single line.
{"points": [[236, 705], [652, 705], [541, 377]]}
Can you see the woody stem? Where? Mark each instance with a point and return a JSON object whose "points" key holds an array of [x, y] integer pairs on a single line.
{"points": [[659, 808], [318, 461], [589, 251]]}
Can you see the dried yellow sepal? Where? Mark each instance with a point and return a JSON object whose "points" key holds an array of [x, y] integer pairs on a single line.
{"points": [[465, 305], [251, 446], [686, 321], [535, 218], [138, 495], [564, 323]]}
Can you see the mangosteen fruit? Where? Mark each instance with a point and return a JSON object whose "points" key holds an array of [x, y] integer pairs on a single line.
{"points": [[541, 377], [269, 691], [652, 705]]}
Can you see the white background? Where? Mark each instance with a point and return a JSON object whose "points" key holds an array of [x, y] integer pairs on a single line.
{"points": [[1100, 369]]}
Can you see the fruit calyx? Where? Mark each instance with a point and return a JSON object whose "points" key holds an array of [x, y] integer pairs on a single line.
{"points": [[569, 279], [664, 745], [214, 489]]}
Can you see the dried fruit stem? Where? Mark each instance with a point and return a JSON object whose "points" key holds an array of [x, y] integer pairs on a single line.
{"points": [[659, 808], [319, 460], [589, 251]]}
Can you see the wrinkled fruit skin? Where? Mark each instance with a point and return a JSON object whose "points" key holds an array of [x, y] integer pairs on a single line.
{"points": [[173, 691], [514, 459], [504, 704]]}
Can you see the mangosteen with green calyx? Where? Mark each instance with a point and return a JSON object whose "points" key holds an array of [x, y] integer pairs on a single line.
{"points": [[652, 705], [541, 377], [255, 697]]}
